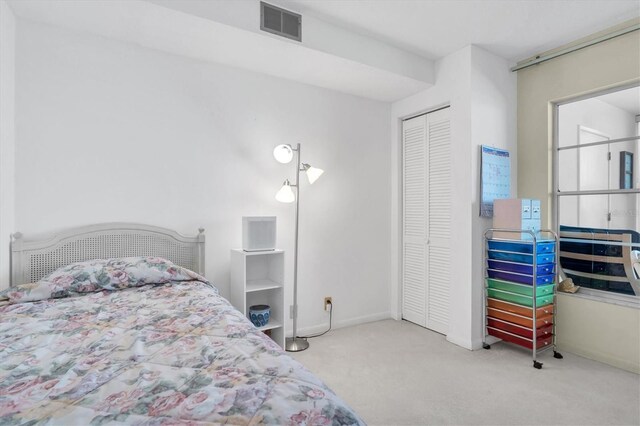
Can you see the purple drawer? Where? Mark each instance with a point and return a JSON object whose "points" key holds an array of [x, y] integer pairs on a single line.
{"points": [[521, 268], [520, 278], [544, 246]]}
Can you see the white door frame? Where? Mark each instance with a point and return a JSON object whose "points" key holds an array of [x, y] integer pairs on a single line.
{"points": [[580, 130]]}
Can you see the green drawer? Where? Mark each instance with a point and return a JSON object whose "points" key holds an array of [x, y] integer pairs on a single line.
{"points": [[525, 289], [519, 298]]}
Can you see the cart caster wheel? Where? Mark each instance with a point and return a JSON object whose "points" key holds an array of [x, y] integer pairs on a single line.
{"points": [[557, 355], [537, 365], [485, 346]]}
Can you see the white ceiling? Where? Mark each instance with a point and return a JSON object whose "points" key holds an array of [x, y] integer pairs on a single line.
{"points": [[151, 25], [628, 99], [513, 29], [379, 49]]}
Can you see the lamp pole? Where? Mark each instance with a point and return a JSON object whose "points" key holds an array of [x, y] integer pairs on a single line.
{"points": [[294, 343]]}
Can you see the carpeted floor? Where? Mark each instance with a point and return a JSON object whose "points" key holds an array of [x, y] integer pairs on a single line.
{"points": [[396, 373]]}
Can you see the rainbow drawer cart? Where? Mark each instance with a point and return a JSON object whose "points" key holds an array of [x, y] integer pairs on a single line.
{"points": [[520, 289]]}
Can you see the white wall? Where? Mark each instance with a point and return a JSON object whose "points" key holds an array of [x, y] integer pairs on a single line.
{"points": [[482, 95], [7, 137], [493, 123], [109, 131], [615, 123]]}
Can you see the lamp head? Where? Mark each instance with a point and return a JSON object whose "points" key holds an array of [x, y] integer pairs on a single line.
{"points": [[313, 173], [283, 153], [285, 194]]}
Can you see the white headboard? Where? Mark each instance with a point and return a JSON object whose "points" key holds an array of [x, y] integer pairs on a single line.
{"points": [[31, 260]]}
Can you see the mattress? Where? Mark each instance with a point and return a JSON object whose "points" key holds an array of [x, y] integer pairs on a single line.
{"points": [[175, 353]]}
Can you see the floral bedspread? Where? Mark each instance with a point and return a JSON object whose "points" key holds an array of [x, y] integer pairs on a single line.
{"points": [[169, 354]]}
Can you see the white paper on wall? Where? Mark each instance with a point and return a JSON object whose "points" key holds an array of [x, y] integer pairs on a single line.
{"points": [[495, 178]]}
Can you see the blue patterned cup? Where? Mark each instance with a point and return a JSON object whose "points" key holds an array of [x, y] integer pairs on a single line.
{"points": [[259, 315]]}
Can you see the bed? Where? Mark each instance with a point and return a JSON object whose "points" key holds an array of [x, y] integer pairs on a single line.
{"points": [[139, 338]]}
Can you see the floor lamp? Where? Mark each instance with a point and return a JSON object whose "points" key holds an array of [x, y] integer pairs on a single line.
{"points": [[284, 154]]}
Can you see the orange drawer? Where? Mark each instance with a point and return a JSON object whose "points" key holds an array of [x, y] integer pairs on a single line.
{"points": [[519, 309], [519, 319], [541, 332], [518, 340]]}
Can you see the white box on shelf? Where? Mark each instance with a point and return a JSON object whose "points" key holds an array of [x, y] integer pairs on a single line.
{"points": [[258, 233]]}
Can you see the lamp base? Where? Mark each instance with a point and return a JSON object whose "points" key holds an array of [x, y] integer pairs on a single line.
{"points": [[295, 344]]}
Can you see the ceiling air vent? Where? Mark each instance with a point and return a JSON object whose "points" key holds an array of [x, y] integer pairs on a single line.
{"points": [[282, 22]]}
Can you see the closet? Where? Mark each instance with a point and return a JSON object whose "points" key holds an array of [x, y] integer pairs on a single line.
{"points": [[426, 217]]}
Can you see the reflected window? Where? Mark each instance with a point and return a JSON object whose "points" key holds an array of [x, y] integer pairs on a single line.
{"points": [[597, 157]]}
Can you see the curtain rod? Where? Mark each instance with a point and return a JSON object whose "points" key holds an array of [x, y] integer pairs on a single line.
{"points": [[543, 58]]}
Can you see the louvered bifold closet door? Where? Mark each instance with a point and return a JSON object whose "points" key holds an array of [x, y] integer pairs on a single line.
{"points": [[426, 262], [414, 290], [439, 188]]}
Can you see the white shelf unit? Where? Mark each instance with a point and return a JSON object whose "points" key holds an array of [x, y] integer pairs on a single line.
{"points": [[257, 278]]}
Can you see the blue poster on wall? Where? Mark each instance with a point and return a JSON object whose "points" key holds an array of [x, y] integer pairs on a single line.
{"points": [[495, 179]]}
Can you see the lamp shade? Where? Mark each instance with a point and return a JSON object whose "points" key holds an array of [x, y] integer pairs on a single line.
{"points": [[313, 173], [285, 194], [283, 153]]}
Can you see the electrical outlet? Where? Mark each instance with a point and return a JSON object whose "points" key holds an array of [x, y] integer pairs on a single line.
{"points": [[327, 302]]}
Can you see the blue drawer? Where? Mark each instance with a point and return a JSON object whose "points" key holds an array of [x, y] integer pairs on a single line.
{"points": [[521, 268], [544, 246], [522, 258], [520, 278]]}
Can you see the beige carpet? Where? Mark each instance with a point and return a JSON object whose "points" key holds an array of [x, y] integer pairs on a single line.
{"points": [[396, 373]]}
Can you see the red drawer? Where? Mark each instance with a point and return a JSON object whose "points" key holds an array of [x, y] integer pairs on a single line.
{"points": [[519, 309], [541, 332], [519, 319], [518, 340]]}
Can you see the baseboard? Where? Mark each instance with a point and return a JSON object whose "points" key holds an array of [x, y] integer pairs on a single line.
{"points": [[477, 343], [600, 357], [342, 323], [465, 343]]}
